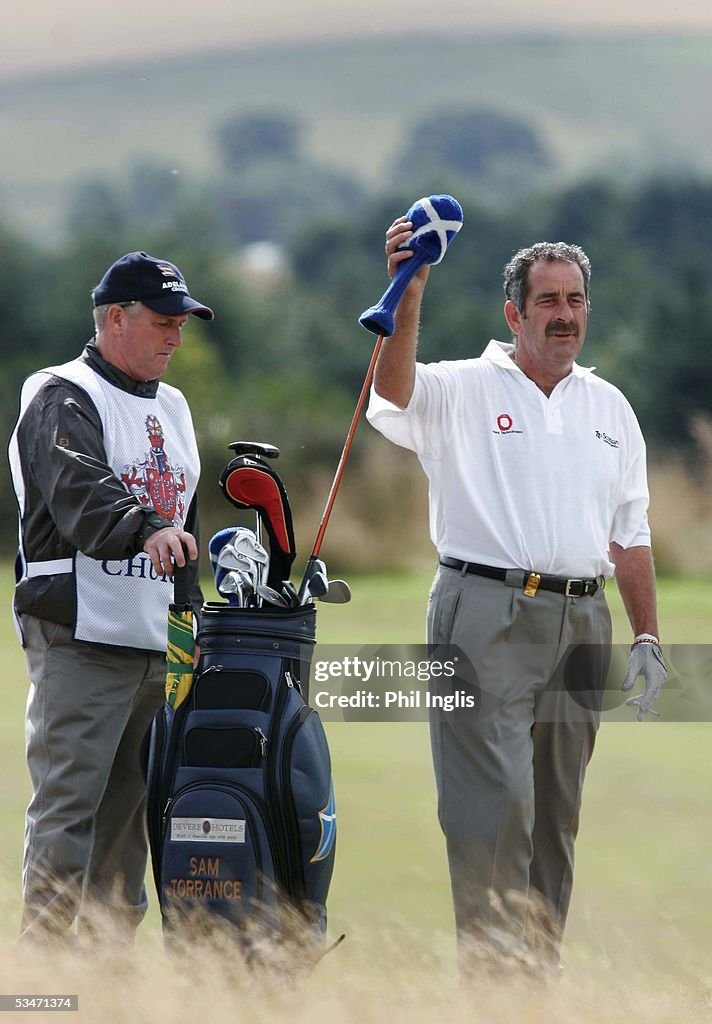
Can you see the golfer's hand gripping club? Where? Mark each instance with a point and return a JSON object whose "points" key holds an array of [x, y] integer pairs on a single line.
{"points": [[646, 660]]}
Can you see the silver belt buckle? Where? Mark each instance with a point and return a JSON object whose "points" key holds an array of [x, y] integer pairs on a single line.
{"points": [[568, 593]]}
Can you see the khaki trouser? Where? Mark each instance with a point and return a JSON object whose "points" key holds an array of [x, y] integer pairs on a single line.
{"points": [[510, 771], [85, 834]]}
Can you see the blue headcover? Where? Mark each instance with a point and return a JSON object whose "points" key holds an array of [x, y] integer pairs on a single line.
{"points": [[436, 220], [215, 546]]}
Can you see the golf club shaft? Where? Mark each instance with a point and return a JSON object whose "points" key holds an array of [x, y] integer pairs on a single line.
{"points": [[345, 451]]}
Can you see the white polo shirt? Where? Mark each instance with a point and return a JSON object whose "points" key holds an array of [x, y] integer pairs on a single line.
{"points": [[519, 480]]}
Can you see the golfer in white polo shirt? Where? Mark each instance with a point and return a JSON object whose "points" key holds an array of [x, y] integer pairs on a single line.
{"points": [[538, 494]]}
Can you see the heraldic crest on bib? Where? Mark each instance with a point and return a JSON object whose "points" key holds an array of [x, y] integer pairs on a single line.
{"points": [[155, 481]]}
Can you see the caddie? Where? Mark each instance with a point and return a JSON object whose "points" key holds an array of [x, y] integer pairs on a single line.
{"points": [[105, 467], [538, 494]]}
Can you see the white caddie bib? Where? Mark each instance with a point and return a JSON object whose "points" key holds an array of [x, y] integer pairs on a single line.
{"points": [[150, 446]]}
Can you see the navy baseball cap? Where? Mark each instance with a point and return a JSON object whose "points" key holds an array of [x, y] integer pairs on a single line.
{"points": [[158, 284]]}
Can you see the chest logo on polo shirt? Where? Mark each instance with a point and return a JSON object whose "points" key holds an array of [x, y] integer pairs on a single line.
{"points": [[505, 425], [609, 440], [154, 480]]}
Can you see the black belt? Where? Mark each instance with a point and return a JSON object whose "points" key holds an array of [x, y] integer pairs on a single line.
{"points": [[529, 582]]}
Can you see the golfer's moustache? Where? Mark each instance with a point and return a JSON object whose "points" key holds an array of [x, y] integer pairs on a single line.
{"points": [[559, 326]]}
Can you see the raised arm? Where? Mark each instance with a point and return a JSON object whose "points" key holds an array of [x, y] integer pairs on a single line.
{"points": [[395, 371]]}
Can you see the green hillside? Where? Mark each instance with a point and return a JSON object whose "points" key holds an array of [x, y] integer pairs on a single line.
{"points": [[626, 103]]}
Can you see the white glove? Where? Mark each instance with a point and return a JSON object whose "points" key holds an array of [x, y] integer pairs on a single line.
{"points": [[646, 660]]}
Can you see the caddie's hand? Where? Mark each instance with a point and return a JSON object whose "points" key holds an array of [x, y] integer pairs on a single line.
{"points": [[168, 547], [646, 660], [400, 231]]}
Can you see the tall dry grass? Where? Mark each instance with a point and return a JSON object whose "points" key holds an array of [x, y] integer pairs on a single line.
{"points": [[390, 973], [370, 979]]}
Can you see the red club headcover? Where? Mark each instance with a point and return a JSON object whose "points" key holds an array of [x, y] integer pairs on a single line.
{"points": [[249, 483]]}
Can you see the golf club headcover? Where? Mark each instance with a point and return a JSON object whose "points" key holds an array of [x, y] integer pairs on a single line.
{"points": [[215, 546], [247, 482], [436, 221]]}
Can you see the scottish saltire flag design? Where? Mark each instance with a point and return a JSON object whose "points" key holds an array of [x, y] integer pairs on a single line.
{"points": [[436, 222], [327, 817], [441, 215]]}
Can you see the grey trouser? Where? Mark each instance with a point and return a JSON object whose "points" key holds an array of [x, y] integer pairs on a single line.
{"points": [[85, 834], [510, 771]]}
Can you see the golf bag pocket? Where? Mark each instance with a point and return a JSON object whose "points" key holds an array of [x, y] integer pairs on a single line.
{"points": [[217, 855], [221, 687], [230, 740]]}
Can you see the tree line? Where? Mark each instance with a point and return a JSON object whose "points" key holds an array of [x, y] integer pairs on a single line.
{"points": [[285, 357]]}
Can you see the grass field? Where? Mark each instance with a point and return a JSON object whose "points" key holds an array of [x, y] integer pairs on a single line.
{"points": [[639, 934]]}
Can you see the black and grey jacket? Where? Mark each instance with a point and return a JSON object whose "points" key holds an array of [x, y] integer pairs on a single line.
{"points": [[73, 499]]}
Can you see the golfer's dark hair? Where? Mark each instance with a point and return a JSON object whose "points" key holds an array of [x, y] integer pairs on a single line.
{"points": [[516, 273]]}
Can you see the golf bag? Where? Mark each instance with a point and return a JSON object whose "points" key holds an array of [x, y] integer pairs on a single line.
{"points": [[240, 798]]}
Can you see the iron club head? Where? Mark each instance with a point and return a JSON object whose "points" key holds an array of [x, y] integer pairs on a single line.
{"points": [[270, 596], [338, 592]]}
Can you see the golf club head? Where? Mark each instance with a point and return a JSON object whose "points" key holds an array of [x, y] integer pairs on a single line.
{"points": [[231, 558], [231, 587], [228, 558], [338, 592], [317, 586], [313, 566], [248, 588], [289, 592], [270, 596], [245, 543]]}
